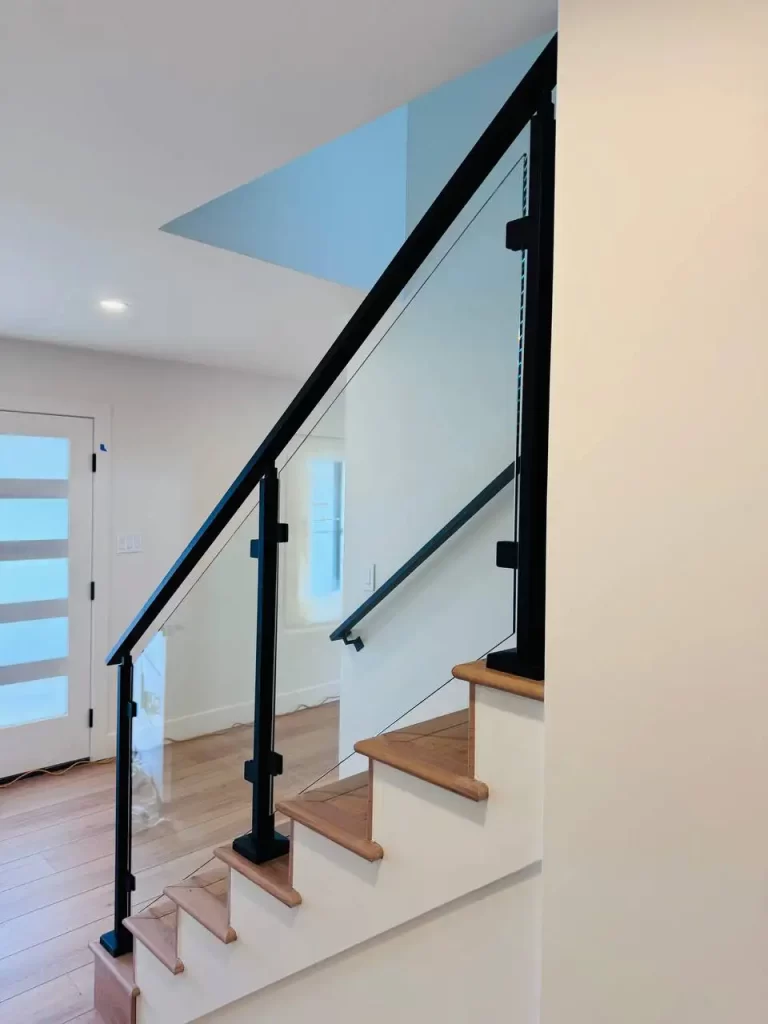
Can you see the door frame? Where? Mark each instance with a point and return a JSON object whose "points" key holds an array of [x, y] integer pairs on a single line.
{"points": [[102, 737]]}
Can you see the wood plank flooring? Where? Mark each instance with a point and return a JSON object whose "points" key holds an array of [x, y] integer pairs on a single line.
{"points": [[56, 846]]}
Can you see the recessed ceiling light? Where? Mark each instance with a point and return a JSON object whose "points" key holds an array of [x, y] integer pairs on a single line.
{"points": [[113, 305]]}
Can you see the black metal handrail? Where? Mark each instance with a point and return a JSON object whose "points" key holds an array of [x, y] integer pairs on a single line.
{"points": [[530, 102], [473, 170], [343, 631]]}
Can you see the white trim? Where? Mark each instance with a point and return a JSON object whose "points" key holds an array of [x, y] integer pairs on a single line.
{"points": [[202, 723], [309, 696], [102, 739]]}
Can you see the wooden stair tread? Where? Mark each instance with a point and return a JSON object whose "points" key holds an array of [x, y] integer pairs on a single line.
{"points": [[273, 877], [207, 908], [120, 967], [157, 931], [437, 751], [478, 673], [340, 812]]}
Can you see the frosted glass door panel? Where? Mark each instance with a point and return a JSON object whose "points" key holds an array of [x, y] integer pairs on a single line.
{"points": [[45, 569], [33, 518], [34, 579], [34, 458], [33, 701]]}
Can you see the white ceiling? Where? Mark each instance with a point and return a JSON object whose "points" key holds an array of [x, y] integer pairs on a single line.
{"points": [[116, 117]]}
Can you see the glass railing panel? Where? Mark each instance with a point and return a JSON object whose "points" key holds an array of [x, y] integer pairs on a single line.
{"points": [[428, 417], [193, 685]]}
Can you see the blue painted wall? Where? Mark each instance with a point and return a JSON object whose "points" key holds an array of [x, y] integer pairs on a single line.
{"points": [[337, 212], [341, 211], [444, 124]]}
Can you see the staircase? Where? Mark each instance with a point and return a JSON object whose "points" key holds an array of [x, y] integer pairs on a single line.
{"points": [[382, 875], [447, 806]]}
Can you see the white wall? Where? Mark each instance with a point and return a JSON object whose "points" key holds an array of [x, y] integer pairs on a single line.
{"points": [[431, 420], [656, 836], [475, 958], [179, 434]]}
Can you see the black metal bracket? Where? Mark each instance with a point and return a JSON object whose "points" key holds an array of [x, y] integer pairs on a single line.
{"points": [[353, 641], [130, 882], [520, 234], [506, 554], [282, 538], [260, 850]]}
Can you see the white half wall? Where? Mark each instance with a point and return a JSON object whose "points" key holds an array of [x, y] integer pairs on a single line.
{"points": [[656, 836], [462, 962]]}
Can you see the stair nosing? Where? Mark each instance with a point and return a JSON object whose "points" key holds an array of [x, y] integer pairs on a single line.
{"points": [[479, 674], [287, 895], [178, 894], [368, 849], [136, 924], [377, 749]]}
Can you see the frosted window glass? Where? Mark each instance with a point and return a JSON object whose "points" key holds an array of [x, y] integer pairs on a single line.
{"points": [[33, 458], [325, 488], [38, 579], [34, 701], [35, 640], [34, 519]]}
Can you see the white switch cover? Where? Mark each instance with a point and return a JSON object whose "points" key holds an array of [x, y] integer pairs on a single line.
{"points": [[369, 583], [128, 543]]}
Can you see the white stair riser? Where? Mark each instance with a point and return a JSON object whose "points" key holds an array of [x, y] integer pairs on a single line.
{"points": [[438, 846]]}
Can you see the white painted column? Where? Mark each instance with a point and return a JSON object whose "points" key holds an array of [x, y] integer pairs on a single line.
{"points": [[656, 831]]}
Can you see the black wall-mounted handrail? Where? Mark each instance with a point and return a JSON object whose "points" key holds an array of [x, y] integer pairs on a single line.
{"points": [[342, 631], [470, 174]]}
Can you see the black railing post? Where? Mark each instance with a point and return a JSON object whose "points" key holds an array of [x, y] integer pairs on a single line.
{"points": [[535, 233], [120, 940], [262, 843]]}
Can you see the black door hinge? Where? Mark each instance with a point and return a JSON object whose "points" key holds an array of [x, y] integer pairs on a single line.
{"points": [[93, 462], [93, 590], [90, 718]]}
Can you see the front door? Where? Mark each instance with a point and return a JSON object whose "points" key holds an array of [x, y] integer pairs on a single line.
{"points": [[46, 511]]}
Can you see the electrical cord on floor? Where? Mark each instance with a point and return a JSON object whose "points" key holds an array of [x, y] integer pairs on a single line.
{"points": [[53, 771]]}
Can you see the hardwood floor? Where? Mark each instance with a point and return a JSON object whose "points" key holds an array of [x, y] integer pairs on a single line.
{"points": [[56, 844]]}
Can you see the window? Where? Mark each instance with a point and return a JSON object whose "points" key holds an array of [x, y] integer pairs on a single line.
{"points": [[312, 492], [326, 482]]}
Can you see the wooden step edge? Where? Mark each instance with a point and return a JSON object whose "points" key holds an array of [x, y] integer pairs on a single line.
{"points": [[476, 672], [405, 758], [206, 909], [119, 967], [158, 938], [302, 811], [273, 877]]}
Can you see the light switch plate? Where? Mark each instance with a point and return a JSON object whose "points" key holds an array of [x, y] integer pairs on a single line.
{"points": [[128, 543]]}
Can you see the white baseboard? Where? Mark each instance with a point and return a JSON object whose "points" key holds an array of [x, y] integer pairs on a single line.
{"points": [[186, 727], [202, 723], [308, 697]]}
